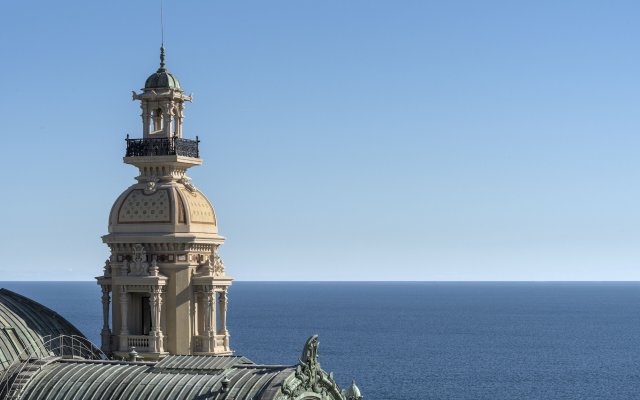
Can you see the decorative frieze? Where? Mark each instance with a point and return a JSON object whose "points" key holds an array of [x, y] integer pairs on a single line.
{"points": [[160, 172], [127, 248]]}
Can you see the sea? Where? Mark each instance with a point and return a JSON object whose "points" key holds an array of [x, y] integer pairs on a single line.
{"points": [[426, 340]]}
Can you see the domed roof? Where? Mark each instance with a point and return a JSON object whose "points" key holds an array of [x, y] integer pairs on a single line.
{"points": [[24, 326], [175, 377], [162, 78], [166, 207]]}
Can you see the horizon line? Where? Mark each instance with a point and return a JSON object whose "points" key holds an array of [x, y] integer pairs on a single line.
{"points": [[376, 281]]}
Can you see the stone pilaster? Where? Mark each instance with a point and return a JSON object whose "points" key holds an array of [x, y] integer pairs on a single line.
{"points": [[210, 317], [223, 318], [124, 308], [146, 118], [106, 331], [155, 304], [195, 328]]}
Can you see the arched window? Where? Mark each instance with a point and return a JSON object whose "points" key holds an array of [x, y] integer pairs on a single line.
{"points": [[157, 120]]}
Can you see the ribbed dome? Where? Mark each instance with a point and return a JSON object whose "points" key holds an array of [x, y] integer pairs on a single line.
{"points": [[169, 208], [25, 326], [162, 79]]}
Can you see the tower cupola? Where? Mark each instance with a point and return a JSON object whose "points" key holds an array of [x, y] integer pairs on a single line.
{"points": [[162, 103], [165, 278]]}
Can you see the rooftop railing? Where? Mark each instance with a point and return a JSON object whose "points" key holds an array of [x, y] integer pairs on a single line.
{"points": [[162, 147]]}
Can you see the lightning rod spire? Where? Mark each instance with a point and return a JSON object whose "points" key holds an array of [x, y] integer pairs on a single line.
{"points": [[161, 37]]}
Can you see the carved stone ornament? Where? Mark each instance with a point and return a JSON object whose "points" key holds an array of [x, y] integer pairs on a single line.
{"points": [[352, 392], [308, 369], [107, 267], [186, 181], [309, 378], [218, 264], [151, 186], [206, 269], [139, 265], [154, 270]]}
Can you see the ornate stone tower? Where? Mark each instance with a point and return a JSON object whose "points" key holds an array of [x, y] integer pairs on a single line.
{"points": [[164, 278]]}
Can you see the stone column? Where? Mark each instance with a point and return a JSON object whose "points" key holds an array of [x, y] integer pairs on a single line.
{"points": [[172, 125], [223, 317], [195, 328], [210, 318], [166, 120], [214, 318], [124, 330], [155, 304], [207, 310], [146, 117], [106, 332], [178, 119], [160, 337]]}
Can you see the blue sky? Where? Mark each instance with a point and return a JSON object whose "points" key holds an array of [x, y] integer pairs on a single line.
{"points": [[343, 140]]}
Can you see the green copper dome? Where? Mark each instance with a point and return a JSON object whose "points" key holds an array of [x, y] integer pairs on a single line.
{"points": [[162, 79]]}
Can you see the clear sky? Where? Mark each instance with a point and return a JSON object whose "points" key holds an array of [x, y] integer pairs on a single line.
{"points": [[343, 140]]}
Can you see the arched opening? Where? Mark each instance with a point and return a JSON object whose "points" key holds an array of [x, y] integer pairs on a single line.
{"points": [[157, 120], [139, 314]]}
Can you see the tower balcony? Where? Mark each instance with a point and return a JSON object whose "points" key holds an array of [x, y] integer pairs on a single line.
{"points": [[165, 146], [149, 347]]}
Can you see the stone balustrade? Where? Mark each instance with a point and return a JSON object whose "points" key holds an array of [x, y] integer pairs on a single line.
{"points": [[140, 342]]}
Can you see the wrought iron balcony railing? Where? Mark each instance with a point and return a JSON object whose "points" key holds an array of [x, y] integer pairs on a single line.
{"points": [[162, 147]]}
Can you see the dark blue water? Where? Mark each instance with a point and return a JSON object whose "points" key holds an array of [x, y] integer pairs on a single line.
{"points": [[428, 340]]}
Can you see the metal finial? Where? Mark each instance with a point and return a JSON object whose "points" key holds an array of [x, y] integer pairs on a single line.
{"points": [[161, 25], [162, 57], [161, 37], [133, 354]]}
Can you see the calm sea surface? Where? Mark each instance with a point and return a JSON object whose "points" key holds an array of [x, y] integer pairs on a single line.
{"points": [[427, 340]]}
